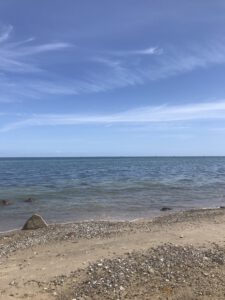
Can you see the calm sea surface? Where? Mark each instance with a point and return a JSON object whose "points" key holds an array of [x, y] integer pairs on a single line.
{"points": [[72, 189]]}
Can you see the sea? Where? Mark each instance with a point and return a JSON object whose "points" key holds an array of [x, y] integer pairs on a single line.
{"points": [[107, 188]]}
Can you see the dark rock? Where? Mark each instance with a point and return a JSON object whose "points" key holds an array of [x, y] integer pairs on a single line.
{"points": [[5, 202], [34, 222], [165, 208], [29, 200], [222, 207]]}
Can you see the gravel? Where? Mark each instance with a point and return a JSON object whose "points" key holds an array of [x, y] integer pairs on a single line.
{"points": [[163, 271], [158, 273], [19, 240]]}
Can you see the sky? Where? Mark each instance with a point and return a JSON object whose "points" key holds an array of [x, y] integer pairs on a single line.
{"points": [[112, 78]]}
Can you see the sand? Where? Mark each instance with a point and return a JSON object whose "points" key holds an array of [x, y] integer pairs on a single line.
{"points": [[174, 256]]}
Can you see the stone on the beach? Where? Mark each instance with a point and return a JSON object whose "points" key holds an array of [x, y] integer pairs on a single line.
{"points": [[165, 208], [4, 202], [34, 222]]}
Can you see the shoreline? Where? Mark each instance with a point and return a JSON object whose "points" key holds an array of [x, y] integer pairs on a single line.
{"points": [[58, 261], [111, 220]]}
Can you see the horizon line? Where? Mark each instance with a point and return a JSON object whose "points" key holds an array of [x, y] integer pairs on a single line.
{"points": [[112, 156]]}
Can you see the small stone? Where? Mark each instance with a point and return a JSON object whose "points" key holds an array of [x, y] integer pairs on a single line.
{"points": [[165, 208], [151, 270]]}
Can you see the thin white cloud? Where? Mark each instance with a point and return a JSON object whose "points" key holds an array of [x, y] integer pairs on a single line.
{"points": [[123, 70], [150, 114], [149, 51], [146, 51], [128, 72], [16, 66], [120, 73], [13, 56], [5, 33], [41, 48]]}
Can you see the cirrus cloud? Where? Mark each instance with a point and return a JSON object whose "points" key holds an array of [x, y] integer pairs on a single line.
{"points": [[149, 114]]}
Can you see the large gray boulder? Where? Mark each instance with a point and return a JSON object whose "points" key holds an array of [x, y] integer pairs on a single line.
{"points": [[34, 222]]}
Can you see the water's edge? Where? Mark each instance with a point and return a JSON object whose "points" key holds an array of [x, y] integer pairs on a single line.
{"points": [[161, 215], [119, 188]]}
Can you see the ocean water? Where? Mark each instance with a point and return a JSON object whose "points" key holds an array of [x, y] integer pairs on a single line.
{"points": [[74, 189]]}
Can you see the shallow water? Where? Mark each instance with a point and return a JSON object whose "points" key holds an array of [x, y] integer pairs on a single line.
{"points": [[70, 189]]}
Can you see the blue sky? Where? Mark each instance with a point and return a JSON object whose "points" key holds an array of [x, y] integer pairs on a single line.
{"points": [[92, 78]]}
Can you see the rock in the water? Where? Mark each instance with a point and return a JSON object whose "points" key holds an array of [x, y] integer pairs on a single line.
{"points": [[29, 200], [34, 222], [165, 208], [4, 202]]}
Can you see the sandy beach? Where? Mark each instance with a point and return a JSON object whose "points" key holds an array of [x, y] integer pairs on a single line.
{"points": [[174, 256], [112, 150]]}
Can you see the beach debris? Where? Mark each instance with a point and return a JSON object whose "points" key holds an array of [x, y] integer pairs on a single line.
{"points": [[5, 202], [165, 208], [34, 222]]}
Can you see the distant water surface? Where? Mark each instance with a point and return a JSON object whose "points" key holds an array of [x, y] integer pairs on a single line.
{"points": [[74, 189]]}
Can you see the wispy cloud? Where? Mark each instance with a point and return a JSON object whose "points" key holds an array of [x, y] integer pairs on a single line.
{"points": [[14, 55], [142, 68], [146, 51], [5, 33], [31, 50], [150, 114], [103, 70]]}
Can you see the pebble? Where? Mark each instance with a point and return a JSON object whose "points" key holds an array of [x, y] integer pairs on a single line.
{"points": [[152, 269], [155, 268], [20, 240]]}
